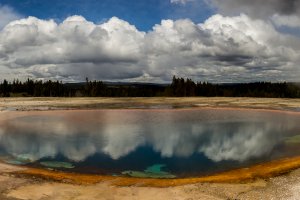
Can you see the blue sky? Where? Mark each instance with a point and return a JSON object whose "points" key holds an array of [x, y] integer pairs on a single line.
{"points": [[142, 14], [150, 40]]}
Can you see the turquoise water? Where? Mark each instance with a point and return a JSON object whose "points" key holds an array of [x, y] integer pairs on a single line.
{"points": [[148, 143]]}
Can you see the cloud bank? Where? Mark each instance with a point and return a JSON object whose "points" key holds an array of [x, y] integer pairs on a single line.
{"points": [[281, 13], [221, 49], [257, 8]]}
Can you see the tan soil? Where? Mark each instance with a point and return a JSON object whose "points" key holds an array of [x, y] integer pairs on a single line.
{"points": [[24, 104]]}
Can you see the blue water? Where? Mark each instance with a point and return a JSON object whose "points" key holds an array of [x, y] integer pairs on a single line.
{"points": [[172, 143]]}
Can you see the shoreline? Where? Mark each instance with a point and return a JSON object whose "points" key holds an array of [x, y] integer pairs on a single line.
{"points": [[42, 104], [241, 175], [248, 180], [16, 187]]}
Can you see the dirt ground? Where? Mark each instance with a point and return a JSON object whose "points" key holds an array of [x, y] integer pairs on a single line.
{"points": [[285, 187], [14, 187]]}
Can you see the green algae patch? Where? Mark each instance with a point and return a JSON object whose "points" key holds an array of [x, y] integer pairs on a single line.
{"points": [[14, 162], [21, 159], [154, 171], [25, 158], [293, 140], [55, 164]]}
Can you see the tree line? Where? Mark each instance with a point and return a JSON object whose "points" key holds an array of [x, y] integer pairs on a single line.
{"points": [[179, 87]]}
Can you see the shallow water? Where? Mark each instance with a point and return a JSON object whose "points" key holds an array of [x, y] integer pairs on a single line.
{"points": [[148, 143]]}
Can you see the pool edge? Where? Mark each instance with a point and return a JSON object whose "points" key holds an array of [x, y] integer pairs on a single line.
{"points": [[242, 175]]}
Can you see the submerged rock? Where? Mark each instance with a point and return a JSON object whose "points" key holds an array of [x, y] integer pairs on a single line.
{"points": [[153, 171], [21, 159], [14, 162], [156, 169], [56, 164], [293, 140], [25, 158]]}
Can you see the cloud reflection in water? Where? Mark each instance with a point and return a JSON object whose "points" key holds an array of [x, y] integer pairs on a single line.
{"points": [[78, 135]]}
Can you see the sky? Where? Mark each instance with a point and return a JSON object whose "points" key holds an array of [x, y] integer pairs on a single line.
{"points": [[150, 40]]}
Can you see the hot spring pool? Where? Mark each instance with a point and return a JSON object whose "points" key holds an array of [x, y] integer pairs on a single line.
{"points": [[148, 143]]}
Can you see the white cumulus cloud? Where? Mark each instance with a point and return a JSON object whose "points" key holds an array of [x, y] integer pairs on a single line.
{"points": [[221, 49], [289, 21]]}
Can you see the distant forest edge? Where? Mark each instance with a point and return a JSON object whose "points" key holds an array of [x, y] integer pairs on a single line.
{"points": [[178, 88]]}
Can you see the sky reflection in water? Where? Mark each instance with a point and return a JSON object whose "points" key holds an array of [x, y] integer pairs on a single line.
{"points": [[188, 142]]}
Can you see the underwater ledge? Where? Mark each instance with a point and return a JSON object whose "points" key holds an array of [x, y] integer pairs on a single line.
{"points": [[242, 175]]}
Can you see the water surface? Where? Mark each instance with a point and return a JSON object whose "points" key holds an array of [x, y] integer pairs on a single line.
{"points": [[148, 143]]}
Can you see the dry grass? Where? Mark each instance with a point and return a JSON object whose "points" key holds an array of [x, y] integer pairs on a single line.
{"points": [[25, 104]]}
